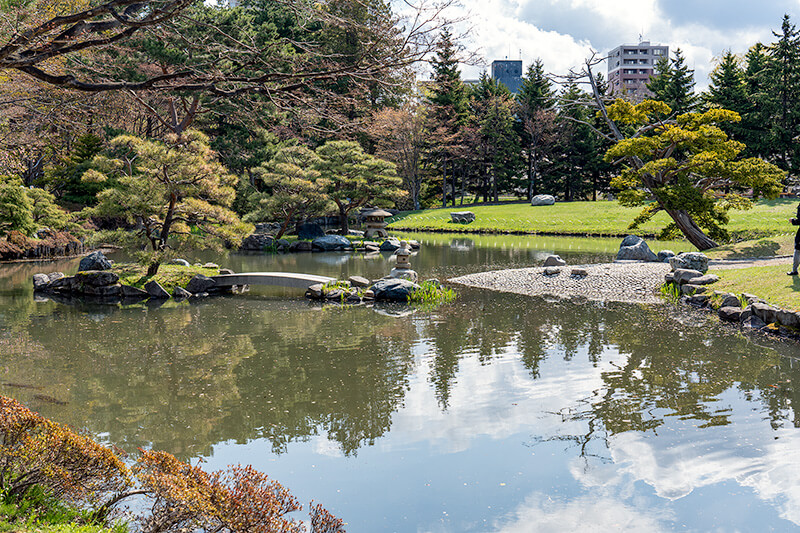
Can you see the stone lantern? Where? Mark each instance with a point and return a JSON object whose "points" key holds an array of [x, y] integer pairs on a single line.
{"points": [[376, 226], [403, 267]]}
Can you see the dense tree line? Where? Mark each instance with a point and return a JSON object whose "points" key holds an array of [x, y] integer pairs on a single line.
{"points": [[309, 111]]}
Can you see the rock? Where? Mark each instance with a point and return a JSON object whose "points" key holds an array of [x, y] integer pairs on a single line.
{"points": [[462, 217], [393, 289], [690, 260], [180, 292], [358, 281], [54, 276], [355, 233], [789, 319], [257, 242], [765, 312], [634, 248], [708, 279], [730, 314], [335, 294], [669, 278], [403, 273], [268, 227], [731, 301], [102, 290], [40, 281], [631, 240], [664, 255], [543, 199], [132, 292], [684, 275], [300, 246], [211, 265], [690, 288], [65, 284], [369, 295], [554, 261], [371, 248], [552, 271], [331, 243], [390, 245], [155, 290], [309, 231], [699, 300], [96, 278], [95, 261], [200, 283], [415, 245], [579, 272], [315, 291], [747, 312], [283, 243], [182, 262], [753, 322], [750, 298]]}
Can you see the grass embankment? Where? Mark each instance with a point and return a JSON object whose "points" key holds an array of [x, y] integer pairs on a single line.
{"points": [[765, 247], [767, 218], [768, 282], [169, 276]]}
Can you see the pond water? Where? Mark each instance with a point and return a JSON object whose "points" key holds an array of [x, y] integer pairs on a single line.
{"points": [[495, 412]]}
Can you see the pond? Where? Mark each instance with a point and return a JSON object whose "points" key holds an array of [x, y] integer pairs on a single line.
{"points": [[494, 412]]}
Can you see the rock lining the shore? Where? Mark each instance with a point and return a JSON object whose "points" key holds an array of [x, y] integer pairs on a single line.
{"points": [[629, 282]]}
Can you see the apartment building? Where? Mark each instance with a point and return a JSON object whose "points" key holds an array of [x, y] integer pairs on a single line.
{"points": [[509, 72], [630, 67]]}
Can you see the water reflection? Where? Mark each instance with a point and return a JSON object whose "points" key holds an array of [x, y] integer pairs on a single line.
{"points": [[576, 409]]}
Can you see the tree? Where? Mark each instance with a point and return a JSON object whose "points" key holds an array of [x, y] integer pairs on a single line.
{"points": [[755, 123], [682, 165], [535, 102], [169, 189], [293, 188], [352, 178], [783, 71], [16, 211], [674, 84], [448, 102], [402, 138]]}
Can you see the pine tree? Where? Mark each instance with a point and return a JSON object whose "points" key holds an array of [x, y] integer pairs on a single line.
{"points": [[755, 123], [658, 83], [727, 91], [783, 70], [673, 84]]}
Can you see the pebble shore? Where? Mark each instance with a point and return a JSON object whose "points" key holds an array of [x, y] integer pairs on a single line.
{"points": [[629, 282]]}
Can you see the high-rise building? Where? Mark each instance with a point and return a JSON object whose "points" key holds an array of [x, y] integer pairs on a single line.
{"points": [[630, 67], [509, 72]]}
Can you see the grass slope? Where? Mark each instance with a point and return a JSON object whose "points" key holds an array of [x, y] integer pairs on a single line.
{"points": [[169, 276], [767, 218], [768, 282]]}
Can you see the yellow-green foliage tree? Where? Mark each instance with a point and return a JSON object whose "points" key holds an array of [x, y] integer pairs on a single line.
{"points": [[26, 209], [351, 178], [171, 189], [688, 167], [293, 188]]}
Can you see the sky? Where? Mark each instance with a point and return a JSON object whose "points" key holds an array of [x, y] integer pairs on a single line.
{"points": [[564, 32]]}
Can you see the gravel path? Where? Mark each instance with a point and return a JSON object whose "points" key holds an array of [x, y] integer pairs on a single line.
{"points": [[611, 282]]}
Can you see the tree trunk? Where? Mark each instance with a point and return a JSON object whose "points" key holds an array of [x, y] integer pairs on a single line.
{"points": [[343, 223], [152, 268], [531, 175], [444, 185], [692, 231]]}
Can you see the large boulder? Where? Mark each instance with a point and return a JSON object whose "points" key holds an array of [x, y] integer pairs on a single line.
{"points": [[200, 284], [765, 312], [331, 243], [155, 290], [730, 314], [543, 199], [554, 261], [664, 255], [390, 245], [393, 289], [40, 281], [102, 290], [96, 278], [358, 281], [300, 246], [257, 242], [634, 248], [685, 275], [309, 231], [132, 292], [690, 260], [95, 261], [462, 217]]}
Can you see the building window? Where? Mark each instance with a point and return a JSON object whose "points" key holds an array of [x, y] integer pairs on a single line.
{"points": [[658, 52], [630, 52], [643, 52]]}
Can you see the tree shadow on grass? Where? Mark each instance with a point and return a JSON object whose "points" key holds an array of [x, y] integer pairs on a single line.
{"points": [[762, 248]]}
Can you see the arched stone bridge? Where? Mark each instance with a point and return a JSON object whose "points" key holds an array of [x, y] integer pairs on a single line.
{"points": [[275, 279]]}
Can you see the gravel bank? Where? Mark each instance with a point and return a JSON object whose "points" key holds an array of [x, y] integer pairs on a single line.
{"points": [[629, 282]]}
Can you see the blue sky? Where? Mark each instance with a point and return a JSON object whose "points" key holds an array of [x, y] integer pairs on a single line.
{"points": [[563, 32]]}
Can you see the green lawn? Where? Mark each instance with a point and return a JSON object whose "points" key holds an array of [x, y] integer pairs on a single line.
{"points": [[764, 247], [768, 282], [767, 218]]}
